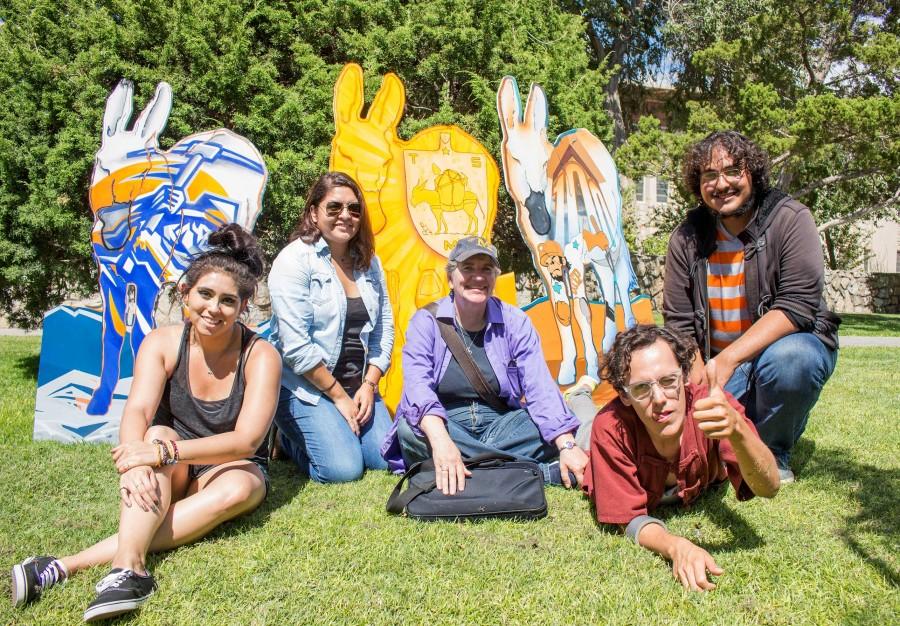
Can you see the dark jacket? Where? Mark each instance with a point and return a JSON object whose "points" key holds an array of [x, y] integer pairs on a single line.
{"points": [[783, 270]]}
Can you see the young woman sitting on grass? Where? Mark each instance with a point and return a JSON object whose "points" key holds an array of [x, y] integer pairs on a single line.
{"points": [[333, 324], [192, 451]]}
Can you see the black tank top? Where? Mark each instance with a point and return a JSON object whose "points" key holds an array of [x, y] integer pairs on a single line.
{"points": [[349, 367], [193, 418]]}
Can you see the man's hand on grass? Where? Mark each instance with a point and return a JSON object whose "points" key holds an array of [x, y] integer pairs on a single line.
{"points": [[690, 564]]}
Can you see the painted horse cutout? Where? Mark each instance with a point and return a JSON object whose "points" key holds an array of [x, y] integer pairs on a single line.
{"points": [[569, 211], [153, 210]]}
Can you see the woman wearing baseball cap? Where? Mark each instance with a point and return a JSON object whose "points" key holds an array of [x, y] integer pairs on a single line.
{"points": [[442, 414]]}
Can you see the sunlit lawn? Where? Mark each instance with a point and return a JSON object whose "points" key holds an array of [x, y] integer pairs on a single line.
{"points": [[824, 551]]}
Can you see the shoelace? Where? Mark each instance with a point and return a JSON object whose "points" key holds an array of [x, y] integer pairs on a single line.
{"points": [[113, 580], [51, 575]]}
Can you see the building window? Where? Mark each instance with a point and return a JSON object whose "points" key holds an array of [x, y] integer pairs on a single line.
{"points": [[662, 191], [639, 190]]}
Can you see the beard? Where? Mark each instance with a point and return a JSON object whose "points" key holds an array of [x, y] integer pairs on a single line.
{"points": [[743, 209]]}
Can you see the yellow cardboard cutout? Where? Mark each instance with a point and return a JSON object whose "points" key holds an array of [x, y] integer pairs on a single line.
{"points": [[422, 195]]}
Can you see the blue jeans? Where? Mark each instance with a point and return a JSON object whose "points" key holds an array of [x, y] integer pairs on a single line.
{"points": [[319, 440], [478, 429], [780, 387]]}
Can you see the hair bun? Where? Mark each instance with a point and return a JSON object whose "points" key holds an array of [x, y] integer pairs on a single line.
{"points": [[239, 244]]}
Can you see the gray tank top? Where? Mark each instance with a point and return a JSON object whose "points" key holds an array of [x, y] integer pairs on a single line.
{"points": [[193, 418]]}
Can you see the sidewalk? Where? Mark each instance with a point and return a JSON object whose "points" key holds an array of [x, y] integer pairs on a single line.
{"points": [[869, 342]]}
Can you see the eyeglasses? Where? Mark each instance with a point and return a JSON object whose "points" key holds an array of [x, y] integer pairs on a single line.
{"points": [[731, 174], [668, 384], [333, 209]]}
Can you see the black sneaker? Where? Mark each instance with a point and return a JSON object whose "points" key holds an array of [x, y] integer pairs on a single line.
{"points": [[120, 591], [33, 576]]}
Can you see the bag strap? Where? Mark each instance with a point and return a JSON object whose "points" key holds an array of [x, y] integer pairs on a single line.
{"points": [[466, 362], [398, 502]]}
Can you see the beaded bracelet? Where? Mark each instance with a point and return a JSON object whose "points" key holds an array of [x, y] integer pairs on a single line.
{"points": [[165, 457], [171, 451], [175, 456]]}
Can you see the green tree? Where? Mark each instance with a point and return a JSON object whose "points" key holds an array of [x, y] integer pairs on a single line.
{"points": [[624, 35], [263, 69], [814, 83]]}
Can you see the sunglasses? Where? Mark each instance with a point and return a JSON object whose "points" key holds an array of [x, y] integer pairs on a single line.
{"points": [[333, 209], [731, 174], [668, 384]]}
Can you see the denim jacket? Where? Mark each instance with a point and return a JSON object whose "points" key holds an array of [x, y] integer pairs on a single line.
{"points": [[514, 351], [309, 309]]}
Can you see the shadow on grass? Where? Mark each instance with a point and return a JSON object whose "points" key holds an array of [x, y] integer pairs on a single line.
{"points": [[27, 366], [743, 536], [870, 323], [285, 482], [875, 489]]}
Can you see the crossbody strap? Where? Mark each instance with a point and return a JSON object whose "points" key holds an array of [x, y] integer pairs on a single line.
{"points": [[466, 362]]}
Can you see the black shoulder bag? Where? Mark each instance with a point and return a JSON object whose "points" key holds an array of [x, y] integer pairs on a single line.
{"points": [[499, 487]]}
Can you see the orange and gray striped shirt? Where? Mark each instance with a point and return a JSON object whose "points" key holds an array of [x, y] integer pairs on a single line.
{"points": [[729, 317]]}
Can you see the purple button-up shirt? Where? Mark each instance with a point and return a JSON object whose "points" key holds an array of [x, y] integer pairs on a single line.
{"points": [[514, 351]]}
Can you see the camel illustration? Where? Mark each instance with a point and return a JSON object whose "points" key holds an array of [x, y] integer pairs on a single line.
{"points": [[154, 210], [450, 194]]}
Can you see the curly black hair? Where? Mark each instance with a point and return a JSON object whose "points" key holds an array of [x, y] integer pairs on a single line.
{"points": [[234, 251], [616, 366], [740, 148]]}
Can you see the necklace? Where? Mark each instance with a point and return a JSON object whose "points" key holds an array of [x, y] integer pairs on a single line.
{"points": [[468, 340]]}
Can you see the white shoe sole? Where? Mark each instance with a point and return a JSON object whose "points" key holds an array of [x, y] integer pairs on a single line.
{"points": [[112, 609], [17, 585]]}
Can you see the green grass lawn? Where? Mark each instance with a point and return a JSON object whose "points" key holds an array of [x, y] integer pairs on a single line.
{"points": [[854, 324], [825, 550], [870, 324]]}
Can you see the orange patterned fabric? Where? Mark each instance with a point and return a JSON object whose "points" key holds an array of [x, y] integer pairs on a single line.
{"points": [[728, 314]]}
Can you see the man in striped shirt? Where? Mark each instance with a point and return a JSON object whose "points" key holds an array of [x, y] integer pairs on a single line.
{"points": [[744, 276]]}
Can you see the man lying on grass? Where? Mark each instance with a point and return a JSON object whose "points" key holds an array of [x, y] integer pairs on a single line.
{"points": [[663, 441]]}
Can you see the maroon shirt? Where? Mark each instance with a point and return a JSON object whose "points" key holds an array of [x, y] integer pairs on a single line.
{"points": [[626, 476]]}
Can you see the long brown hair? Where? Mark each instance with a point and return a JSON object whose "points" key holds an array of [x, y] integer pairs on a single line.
{"points": [[362, 246]]}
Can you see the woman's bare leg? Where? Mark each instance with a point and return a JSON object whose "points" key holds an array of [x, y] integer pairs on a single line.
{"points": [[137, 527], [222, 493]]}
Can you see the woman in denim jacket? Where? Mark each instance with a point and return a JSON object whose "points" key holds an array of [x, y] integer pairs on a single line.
{"points": [[333, 325]]}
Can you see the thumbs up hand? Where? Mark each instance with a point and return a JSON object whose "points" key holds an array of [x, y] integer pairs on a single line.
{"points": [[714, 414]]}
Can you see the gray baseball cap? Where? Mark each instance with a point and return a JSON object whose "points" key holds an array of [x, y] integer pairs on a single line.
{"points": [[468, 247]]}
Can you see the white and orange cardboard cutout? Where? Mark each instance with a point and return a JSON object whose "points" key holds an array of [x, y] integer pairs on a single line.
{"points": [[422, 195], [569, 211]]}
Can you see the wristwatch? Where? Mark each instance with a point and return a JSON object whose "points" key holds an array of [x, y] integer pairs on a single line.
{"points": [[568, 445]]}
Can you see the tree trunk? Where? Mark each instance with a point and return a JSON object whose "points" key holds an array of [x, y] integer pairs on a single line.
{"points": [[829, 247], [613, 102], [614, 108]]}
